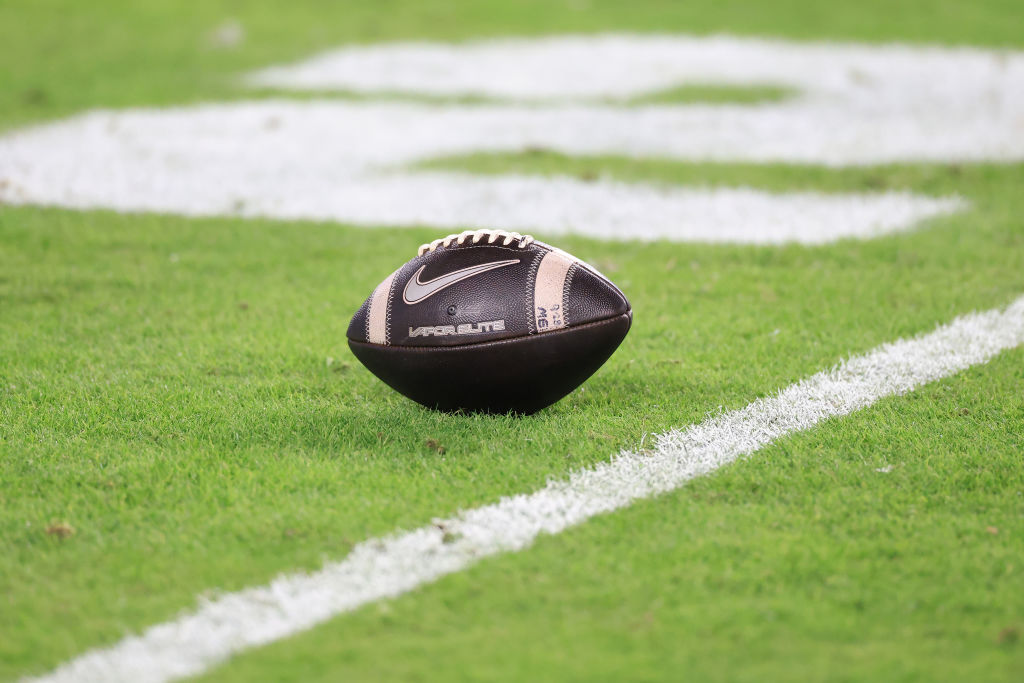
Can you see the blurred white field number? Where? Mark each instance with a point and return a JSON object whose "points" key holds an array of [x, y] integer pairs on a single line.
{"points": [[354, 161]]}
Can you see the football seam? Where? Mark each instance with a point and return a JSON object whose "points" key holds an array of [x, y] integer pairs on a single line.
{"points": [[515, 250], [565, 293], [390, 305], [366, 318], [531, 285], [529, 249]]}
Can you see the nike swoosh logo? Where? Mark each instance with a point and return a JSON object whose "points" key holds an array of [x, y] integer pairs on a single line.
{"points": [[416, 291]]}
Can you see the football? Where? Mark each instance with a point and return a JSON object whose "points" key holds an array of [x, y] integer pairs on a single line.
{"points": [[489, 321]]}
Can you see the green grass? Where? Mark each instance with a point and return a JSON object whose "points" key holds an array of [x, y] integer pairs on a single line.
{"points": [[981, 182], [177, 396], [58, 57], [803, 563], [715, 94], [193, 442], [684, 94]]}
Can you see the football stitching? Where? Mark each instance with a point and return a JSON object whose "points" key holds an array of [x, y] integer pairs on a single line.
{"points": [[366, 317], [531, 277], [475, 237], [389, 306], [565, 293], [517, 250], [531, 283]]}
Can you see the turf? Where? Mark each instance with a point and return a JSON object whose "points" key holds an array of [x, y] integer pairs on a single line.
{"points": [[684, 94], [58, 57], [179, 412], [883, 547]]}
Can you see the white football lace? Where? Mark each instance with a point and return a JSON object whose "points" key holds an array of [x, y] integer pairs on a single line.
{"points": [[477, 235]]}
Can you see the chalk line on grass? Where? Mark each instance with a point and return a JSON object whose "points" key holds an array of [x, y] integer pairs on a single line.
{"points": [[340, 161], [585, 67], [856, 103], [390, 566], [356, 162]]}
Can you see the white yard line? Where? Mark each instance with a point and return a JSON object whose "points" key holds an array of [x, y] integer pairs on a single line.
{"points": [[356, 162], [584, 67], [390, 566], [343, 161], [856, 103]]}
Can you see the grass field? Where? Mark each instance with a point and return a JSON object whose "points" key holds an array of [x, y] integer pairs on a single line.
{"points": [[179, 412]]}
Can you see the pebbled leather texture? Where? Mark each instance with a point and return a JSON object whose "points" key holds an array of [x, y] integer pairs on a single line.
{"points": [[592, 297], [458, 328], [357, 327], [521, 375], [504, 294]]}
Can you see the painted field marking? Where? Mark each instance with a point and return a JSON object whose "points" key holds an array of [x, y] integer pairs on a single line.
{"points": [[332, 161], [856, 104], [355, 161], [389, 566]]}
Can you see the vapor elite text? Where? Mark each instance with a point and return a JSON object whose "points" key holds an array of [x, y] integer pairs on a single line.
{"points": [[465, 328]]}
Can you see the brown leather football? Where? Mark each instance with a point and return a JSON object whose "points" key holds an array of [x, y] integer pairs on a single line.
{"points": [[489, 321]]}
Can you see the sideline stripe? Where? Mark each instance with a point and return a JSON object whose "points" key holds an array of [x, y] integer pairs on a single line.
{"points": [[393, 565]]}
